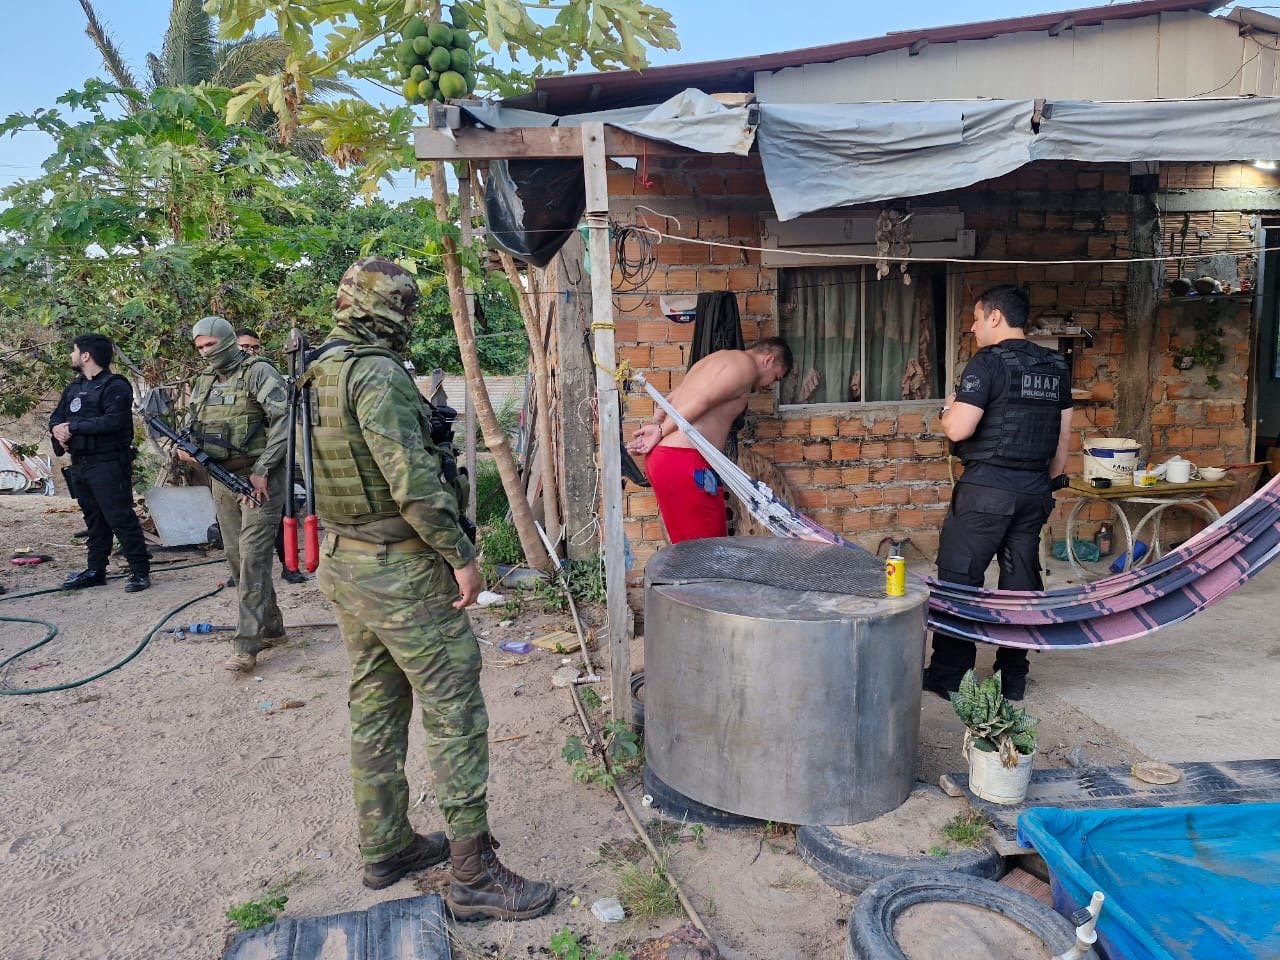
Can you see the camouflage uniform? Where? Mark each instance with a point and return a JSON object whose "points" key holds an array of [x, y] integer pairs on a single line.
{"points": [[239, 416], [394, 537]]}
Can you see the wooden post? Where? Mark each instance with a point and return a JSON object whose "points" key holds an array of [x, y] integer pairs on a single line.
{"points": [[469, 414], [1142, 309], [597, 184], [575, 380]]}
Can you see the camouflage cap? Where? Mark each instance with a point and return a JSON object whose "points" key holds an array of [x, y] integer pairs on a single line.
{"points": [[377, 288]]}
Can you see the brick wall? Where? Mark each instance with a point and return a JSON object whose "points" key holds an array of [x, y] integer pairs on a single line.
{"points": [[878, 470]]}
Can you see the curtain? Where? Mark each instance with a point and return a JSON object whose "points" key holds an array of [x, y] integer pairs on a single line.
{"points": [[820, 310]]}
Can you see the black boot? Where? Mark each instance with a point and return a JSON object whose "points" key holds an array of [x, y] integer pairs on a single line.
{"points": [[483, 889], [424, 852], [85, 578], [136, 582], [293, 576]]}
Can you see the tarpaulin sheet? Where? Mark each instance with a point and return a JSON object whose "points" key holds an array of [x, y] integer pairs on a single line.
{"points": [[818, 156], [1182, 883]]}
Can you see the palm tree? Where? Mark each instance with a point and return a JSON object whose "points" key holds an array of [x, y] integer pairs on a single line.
{"points": [[191, 54]]}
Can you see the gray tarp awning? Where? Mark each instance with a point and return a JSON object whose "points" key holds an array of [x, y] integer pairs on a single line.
{"points": [[690, 119], [821, 156], [818, 156], [828, 155]]}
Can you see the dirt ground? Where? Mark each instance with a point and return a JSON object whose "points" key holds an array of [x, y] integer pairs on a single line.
{"points": [[140, 807], [143, 805]]}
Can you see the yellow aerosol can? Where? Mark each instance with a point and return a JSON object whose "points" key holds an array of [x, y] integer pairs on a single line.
{"points": [[895, 576]]}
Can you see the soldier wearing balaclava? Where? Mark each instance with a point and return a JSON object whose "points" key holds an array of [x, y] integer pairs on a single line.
{"points": [[238, 414], [399, 569]]}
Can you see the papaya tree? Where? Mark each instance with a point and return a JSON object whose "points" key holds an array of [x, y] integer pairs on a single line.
{"points": [[352, 40]]}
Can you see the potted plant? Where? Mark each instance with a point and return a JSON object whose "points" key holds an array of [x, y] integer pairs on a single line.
{"points": [[999, 740]]}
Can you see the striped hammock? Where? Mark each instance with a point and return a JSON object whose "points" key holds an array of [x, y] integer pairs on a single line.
{"points": [[1203, 570]]}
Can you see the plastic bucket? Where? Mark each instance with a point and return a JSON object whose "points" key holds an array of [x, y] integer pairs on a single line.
{"points": [[990, 779], [1112, 457]]}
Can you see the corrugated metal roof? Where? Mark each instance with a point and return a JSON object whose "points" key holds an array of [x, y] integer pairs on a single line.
{"points": [[598, 91]]}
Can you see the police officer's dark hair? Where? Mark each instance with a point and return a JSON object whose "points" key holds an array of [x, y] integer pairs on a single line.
{"points": [[246, 332], [1010, 300], [778, 347], [96, 346]]}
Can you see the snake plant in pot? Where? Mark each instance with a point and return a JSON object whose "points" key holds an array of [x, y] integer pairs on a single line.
{"points": [[999, 740]]}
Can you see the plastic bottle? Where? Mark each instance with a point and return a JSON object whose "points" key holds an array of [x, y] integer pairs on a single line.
{"points": [[1139, 551], [1103, 540]]}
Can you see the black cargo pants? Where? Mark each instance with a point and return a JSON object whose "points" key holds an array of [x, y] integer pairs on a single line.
{"points": [[985, 523], [104, 490]]}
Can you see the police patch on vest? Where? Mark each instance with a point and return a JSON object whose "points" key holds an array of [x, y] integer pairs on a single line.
{"points": [[1041, 386], [74, 405]]}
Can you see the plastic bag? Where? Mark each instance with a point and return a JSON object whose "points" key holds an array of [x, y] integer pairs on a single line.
{"points": [[532, 206]]}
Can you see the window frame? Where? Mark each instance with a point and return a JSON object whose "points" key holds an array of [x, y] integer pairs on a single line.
{"points": [[953, 282]]}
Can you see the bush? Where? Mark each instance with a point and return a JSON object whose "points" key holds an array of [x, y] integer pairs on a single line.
{"points": [[499, 544], [491, 499]]}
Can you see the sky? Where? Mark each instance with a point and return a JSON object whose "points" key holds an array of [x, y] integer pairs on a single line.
{"points": [[44, 51]]}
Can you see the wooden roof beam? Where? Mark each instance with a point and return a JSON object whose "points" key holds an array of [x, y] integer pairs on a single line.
{"points": [[531, 143]]}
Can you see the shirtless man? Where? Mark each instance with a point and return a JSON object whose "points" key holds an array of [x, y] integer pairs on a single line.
{"points": [[711, 396]]}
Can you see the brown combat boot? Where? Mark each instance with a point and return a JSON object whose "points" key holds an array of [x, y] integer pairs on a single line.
{"points": [[483, 889], [422, 854]]}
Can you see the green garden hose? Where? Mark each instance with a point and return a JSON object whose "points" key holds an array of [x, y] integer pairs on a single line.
{"points": [[52, 631]]}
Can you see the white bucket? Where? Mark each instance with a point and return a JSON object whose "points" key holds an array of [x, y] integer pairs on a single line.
{"points": [[990, 779], [1111, 457]]}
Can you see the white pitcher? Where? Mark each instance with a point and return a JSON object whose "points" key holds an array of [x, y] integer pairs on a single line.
{"points": [[1180, 471]]}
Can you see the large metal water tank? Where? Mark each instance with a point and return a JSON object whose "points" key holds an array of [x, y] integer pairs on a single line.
{"points": [[780, 682]]}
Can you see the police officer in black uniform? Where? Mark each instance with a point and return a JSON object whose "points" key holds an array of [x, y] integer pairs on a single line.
{"points": [[94, 423], [1010, 420]]}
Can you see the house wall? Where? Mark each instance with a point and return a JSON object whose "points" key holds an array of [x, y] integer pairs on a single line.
{"points": [[874, 470], [1171, 55]]}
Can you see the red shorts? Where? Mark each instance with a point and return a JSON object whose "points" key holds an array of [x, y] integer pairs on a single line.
{"points": [[688, 511]]}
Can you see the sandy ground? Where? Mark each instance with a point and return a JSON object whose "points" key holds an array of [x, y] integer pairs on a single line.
{"points": [[140, 807]]}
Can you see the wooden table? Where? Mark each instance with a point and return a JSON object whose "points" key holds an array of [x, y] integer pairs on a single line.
{"points": [[1192, 495]]}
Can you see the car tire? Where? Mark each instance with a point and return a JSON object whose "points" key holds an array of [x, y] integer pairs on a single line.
{"points": [[871, 925], [674, 805], [851, 868]]}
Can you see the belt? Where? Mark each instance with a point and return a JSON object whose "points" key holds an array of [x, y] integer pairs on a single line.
{"points": [[99, 456], [352, 545]]}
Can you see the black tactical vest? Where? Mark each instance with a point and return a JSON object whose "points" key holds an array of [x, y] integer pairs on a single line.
{"points": [[1019, 428], [85, 402]]}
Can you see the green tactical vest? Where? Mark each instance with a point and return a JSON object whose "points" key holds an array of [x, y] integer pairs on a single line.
{"points": [[349, 487], [227, 421]]}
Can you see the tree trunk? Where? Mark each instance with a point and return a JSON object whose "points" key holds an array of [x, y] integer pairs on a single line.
{"points": [[530, 311], [495, 438]]}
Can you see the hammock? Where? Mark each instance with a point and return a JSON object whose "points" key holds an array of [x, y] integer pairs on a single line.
{"points": [[1203, 570]]}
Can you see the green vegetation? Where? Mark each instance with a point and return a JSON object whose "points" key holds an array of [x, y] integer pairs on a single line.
{"points": [[585, 579], [645, 889], [257, 913], [140, 224], [621, 746], [967, 829], [993, 723], [499, 544], [566, 945]]}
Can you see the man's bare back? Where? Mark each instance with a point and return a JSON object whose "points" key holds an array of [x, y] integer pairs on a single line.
{"points": [[711, 396]]}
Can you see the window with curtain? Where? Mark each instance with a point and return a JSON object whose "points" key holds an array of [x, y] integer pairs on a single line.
{"points": [[857, 339]]}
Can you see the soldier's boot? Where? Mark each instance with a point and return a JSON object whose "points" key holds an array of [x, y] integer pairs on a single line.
{"points": [[85, 578], [483, 889], [240, 662], [423, 853]]}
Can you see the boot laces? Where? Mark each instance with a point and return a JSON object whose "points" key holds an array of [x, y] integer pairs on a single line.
{"points": [[497, 871]]}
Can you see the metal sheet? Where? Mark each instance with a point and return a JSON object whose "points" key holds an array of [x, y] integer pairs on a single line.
{"points": [[182, 514], [786, 705]]}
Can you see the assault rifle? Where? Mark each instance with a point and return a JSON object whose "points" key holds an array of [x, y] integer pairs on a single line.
{"points": [[237, 485]]}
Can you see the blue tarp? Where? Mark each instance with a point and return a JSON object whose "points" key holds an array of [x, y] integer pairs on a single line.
{"points": [[1182, 883]]}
